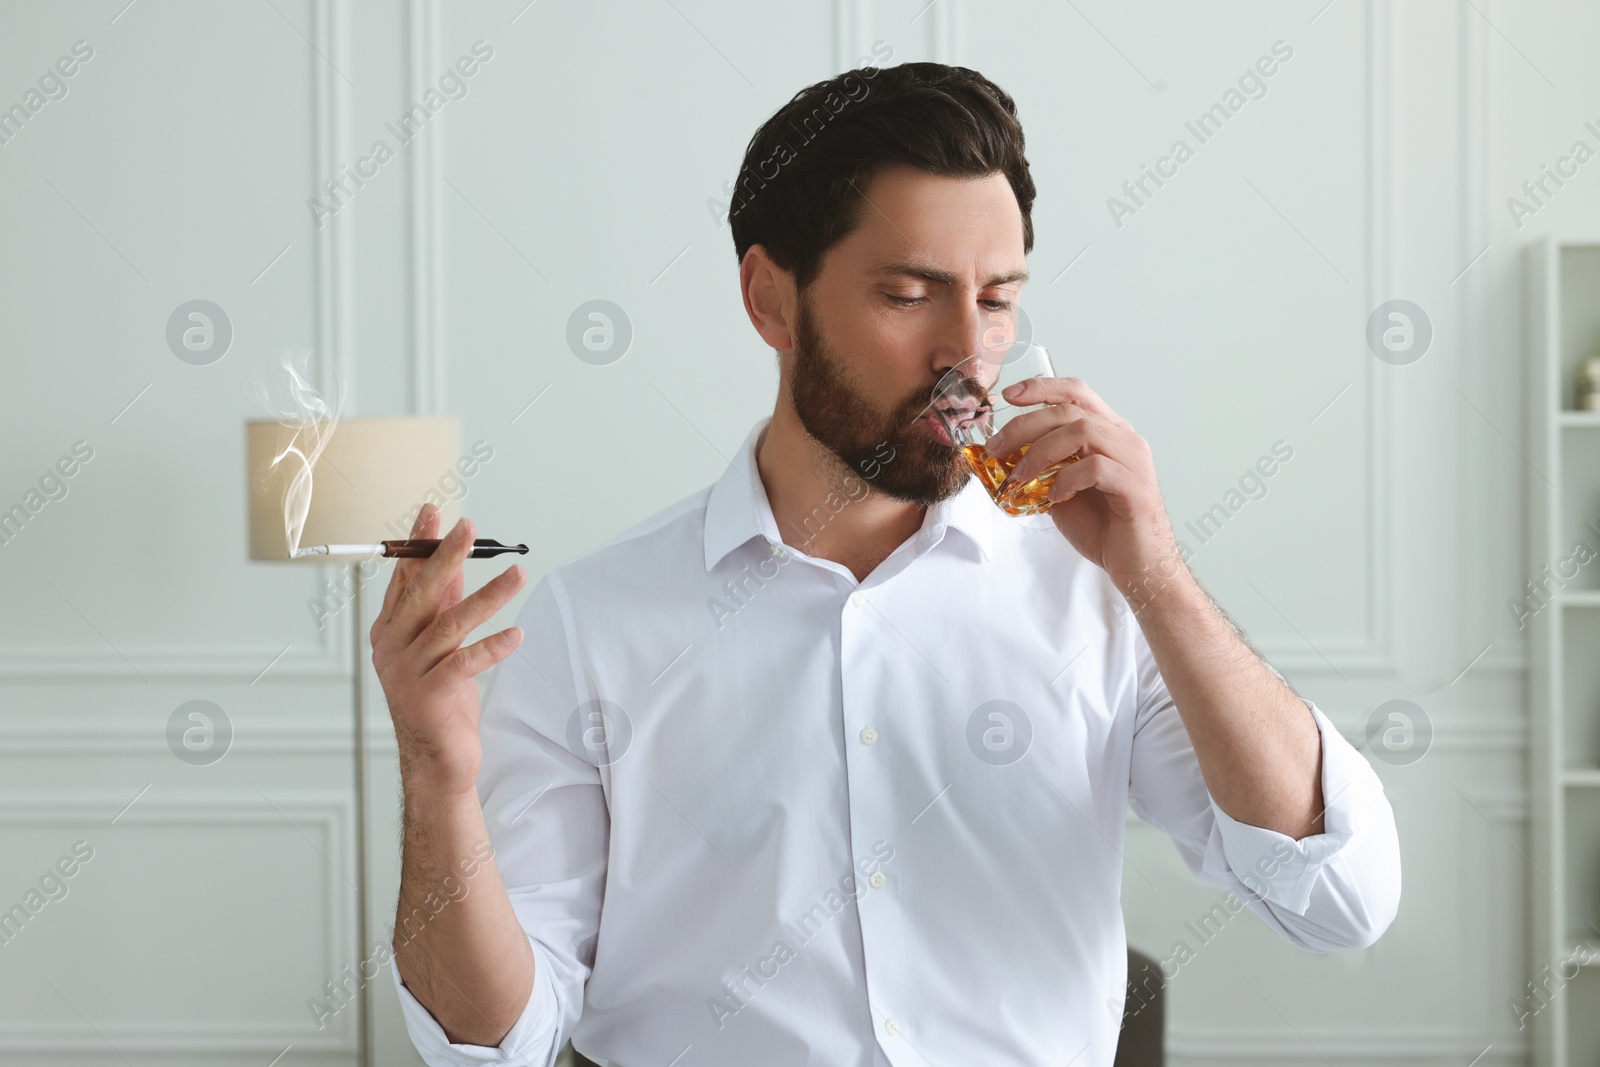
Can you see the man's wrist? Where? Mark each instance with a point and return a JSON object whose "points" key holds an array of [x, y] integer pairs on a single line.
{"points": [[436, 780], [433, 799]]}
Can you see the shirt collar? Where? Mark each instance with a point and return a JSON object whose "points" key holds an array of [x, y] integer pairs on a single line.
{"points": [[738, 510]]}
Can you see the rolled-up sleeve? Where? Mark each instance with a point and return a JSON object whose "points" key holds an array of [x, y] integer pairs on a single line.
{"points": [[548, 823], [1336, 890], [530, 1031]]}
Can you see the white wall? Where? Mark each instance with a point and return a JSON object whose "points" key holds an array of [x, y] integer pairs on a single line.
{"points": [[1225, 315]]}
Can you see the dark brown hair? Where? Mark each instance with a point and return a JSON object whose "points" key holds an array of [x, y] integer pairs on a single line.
{"points": [[800, 188]]}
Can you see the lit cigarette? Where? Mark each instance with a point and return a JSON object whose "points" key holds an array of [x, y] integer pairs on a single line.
{"points": [[411, 548]]}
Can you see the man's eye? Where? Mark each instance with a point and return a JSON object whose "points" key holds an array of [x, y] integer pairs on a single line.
{"points": [[999, 305], [904, 301]]}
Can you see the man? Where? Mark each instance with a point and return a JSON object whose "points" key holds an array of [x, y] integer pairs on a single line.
{"points": [[829, 762]]}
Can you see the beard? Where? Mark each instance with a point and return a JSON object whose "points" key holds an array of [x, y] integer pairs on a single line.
{"points": [[892, 451]]}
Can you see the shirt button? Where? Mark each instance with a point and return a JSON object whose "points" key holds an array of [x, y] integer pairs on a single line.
{"points": [[868, 735], [891, 1027], [857, 600], [777, 550], [877, 881]]}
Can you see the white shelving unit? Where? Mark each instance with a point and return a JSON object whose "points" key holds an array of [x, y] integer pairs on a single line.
{"points": [[1563, 323]]}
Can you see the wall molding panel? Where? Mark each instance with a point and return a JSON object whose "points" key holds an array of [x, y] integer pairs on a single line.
{"points": [[329, 813]]}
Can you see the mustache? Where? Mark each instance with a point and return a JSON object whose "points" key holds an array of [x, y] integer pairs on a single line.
{"points": [[956, 397]]}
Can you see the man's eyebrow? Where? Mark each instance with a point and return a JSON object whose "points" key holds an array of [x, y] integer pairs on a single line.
{"points": [[944, 277]]}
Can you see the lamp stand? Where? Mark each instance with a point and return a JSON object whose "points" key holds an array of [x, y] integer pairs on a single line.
{"points": [[359, 645]]}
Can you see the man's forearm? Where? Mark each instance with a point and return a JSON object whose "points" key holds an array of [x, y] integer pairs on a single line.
{"points": [[1258, 746], [457, 941]]}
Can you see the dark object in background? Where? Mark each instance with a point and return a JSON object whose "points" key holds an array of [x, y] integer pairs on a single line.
{"points": [[1143, 1040]]}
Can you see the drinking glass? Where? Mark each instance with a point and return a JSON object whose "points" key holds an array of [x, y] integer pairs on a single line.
{"points": [[968, 407]]}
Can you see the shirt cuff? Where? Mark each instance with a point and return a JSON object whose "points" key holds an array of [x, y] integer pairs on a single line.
{"points": [[1276, 868], [533, 1026]]}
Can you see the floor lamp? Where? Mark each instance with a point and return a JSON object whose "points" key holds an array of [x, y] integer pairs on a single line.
{"points": [[350, 481]]}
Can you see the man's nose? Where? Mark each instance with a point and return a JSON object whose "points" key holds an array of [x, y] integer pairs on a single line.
{"points": [[969, 329]]}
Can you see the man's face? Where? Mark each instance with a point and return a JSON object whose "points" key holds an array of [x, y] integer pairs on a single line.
{"points": [[931, 274]]}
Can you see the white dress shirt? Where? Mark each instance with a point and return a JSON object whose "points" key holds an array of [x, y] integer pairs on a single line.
{"points": [[752, 811]]}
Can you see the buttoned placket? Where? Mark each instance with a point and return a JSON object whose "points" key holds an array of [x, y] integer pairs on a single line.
{"points": [[869, 821], [867, 790]]}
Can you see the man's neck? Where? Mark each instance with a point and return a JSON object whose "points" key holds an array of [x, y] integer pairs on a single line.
{"points": [[821, 507]]}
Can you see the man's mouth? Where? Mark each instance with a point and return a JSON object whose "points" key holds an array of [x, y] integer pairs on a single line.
{"points": [[956, 410], [937, 430]]}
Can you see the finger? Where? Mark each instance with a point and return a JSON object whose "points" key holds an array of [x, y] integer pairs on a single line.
{"points": [[1078, 437], [480, 656], [445, 634], [1028, 426], [437, 579], [455, 581], [1095, 471], [1040, 390], [1088, 435], [426, 525], [390, 594], [419, 602]]}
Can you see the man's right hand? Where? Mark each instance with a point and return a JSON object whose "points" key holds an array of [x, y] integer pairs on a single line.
{"points": [[427, 676]]}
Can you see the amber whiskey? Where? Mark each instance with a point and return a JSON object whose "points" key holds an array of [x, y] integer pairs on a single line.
{"points": [[1032, 498]]}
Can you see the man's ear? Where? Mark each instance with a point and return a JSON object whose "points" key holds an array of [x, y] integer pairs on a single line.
{"points": [[770, 297]]}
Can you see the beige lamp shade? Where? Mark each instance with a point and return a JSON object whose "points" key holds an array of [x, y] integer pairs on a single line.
{"points": [[349, 481]]}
